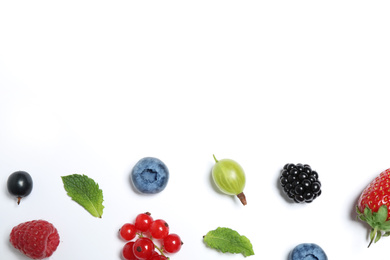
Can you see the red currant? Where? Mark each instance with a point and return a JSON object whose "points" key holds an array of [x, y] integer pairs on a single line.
{"points": [[172, 243], [128, 231], [158, 257], [127, 251], [159, 229], [143, 221], [143, 248], [155, 253]]}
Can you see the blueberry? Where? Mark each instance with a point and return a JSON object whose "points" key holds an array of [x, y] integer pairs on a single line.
{"points": [[150, 175], [307, 251]]}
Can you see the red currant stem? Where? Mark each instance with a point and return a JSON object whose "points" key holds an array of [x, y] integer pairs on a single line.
{"points": [[161, 251]]}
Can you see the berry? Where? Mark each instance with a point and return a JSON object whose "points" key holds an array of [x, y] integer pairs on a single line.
{"points": [[127, 251], [230, 178], [158, 257], [141, 236], [19, 184], [155, 253], [150, 175], [143, 222], [172, 243], [373, 204], [143, 248], [159, 229], [307, 251], [300, 183], [128, 231], [36, 239]]}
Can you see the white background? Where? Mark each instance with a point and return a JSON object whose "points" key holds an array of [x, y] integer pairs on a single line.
{"points": [[91, 87]]}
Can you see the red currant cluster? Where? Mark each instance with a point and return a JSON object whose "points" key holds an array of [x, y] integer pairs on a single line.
{"points": [[152, 239]]}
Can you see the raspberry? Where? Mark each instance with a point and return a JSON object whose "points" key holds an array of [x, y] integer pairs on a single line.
{"points": [[36, 239]]}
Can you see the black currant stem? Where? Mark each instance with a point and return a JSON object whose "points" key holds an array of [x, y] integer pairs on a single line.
{"points": [[215, 158]]}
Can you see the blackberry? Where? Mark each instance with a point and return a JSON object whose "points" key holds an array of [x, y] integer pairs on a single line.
{"points": [[300, 183]]}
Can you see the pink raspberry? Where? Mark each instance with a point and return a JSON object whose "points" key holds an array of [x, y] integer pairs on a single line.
{"points": [[36, 239]]}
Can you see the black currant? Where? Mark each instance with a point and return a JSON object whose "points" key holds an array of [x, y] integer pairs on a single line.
{"points": [[19, 184], [300, 183]]}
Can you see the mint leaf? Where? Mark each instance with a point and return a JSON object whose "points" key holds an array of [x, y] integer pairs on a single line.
{"points": [[85, 192], [227, 240]]}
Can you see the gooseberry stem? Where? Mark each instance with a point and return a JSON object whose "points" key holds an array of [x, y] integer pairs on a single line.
{"points": [[215, 158], [242, 198]]}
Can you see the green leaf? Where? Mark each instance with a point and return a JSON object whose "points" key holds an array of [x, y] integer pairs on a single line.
{"points": [[381, 215], [362, 218], [358, 210], [385, 226], [227, 240], [377, 221], [85, 192], [372, 234], [378, 236], [367, 212]]}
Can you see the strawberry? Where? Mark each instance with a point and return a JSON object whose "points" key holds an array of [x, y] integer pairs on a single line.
{"points": [[36, 239], [373, 205]]}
